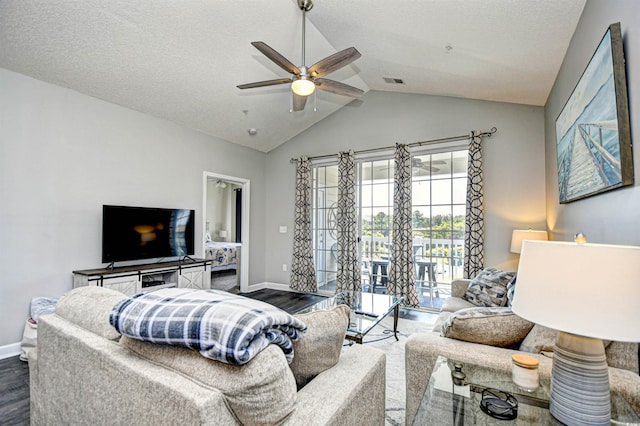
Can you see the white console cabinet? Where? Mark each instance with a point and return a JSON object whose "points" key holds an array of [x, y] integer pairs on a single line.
{"points": [[135, 279]]}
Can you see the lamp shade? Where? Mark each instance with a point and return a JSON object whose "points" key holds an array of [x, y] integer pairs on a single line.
{"points": [[519, 235], [223, 234], [590, 290]]}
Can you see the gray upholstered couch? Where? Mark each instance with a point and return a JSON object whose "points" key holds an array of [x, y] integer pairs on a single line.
{"points": [[422, 350], [84, 372]]}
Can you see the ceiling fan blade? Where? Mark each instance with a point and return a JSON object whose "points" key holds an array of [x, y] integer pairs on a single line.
{"points": [[334, 62], [264, 83], [338, 88], [277, 58], [299, 102]]}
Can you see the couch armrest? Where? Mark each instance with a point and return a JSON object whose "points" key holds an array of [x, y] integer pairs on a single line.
{"points": [[350, 393], [422, 350], [459, 287]]}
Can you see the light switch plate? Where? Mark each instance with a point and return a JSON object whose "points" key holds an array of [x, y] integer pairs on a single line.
{"points": [[283, 229]]}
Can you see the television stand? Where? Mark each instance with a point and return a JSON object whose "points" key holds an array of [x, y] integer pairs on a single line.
{"points": [[135, 279]]}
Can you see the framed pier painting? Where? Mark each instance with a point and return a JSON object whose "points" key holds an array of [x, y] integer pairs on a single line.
{"points": [[592, 131]]}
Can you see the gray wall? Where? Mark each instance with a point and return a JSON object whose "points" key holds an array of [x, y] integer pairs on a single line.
{"points": [[63, 155], [611, 217], [513, 161]]}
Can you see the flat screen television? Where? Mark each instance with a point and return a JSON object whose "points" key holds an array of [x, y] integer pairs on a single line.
{"points": [[136, 233]]}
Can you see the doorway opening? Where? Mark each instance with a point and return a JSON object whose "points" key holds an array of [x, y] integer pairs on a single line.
{"points": [[225, 230]]}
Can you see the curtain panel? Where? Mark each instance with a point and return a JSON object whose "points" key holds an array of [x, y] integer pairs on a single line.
{"points": [[474, 224], [348, 274], [402, 279], [303, 272]]}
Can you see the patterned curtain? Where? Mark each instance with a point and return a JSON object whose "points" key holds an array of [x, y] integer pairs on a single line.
{"points": [[303, 272], [474, 226], [402, 280], [348, 261]]}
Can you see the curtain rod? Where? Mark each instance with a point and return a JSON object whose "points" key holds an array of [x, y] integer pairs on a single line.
{"points": [[449, 139]]}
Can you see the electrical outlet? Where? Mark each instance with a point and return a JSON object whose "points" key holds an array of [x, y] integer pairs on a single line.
{"points": [[284, 267]]}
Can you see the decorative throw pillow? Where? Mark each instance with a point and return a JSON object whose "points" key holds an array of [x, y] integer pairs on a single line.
{"points": [[489, 288], [320, 347], [540, 339], [619, 354], [511, 288], [622, 355], [493, 326]]}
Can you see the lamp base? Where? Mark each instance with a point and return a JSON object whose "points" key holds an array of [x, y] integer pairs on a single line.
{"points": [[580, 393]]}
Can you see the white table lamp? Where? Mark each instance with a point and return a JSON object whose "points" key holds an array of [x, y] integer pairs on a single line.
{"points": [[520, 235], [588, 292]]}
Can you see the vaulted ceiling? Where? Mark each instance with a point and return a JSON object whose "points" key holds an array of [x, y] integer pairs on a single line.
{"points": [[182, 60]]}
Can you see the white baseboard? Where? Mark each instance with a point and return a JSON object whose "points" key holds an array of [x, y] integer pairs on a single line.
{"points": [[272, 286], [7, 351], [278, 286]]}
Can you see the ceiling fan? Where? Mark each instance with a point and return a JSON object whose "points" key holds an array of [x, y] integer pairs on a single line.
{"points": [[420, 166], [304, 80]]}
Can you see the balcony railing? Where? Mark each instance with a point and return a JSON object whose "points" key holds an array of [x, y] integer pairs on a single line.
{"points": [[441, 261]]}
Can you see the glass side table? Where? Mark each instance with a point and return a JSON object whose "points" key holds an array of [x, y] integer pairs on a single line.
{"points": [[444, 403], [367, 310]]}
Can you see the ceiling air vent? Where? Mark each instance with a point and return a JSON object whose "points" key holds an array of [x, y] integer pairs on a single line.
{"points": [[393, 80]]}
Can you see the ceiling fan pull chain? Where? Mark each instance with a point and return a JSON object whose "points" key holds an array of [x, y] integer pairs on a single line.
{"points": [[315, 101]]}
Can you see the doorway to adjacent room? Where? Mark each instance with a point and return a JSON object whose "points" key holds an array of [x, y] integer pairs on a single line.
{"points": [[225, 226]]}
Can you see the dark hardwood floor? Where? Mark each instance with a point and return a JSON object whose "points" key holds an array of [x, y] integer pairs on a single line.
{"points": [[14, 374], [286, 300], [14, 392]]}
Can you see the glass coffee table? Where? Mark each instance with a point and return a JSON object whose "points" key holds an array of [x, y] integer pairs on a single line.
{"points": [[446, 403], [367, 310]]}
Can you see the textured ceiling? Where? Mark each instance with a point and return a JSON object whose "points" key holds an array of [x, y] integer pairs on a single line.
{"points": [[182, 60]]}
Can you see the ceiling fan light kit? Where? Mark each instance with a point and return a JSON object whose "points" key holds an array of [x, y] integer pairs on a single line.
{"points": [[304, 80], [303, 86]]}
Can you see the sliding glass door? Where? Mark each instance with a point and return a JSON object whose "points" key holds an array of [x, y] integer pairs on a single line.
{"points": [[439, 183], [324, 225]]}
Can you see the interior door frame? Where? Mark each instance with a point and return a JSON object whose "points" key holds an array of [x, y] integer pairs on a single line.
{"points": [[244, 249]]}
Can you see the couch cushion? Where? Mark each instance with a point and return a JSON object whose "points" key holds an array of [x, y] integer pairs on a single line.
{"points": [[489, 288], [494, 326], [454, 304], [262, 391], [321, 346], [89, 307]]}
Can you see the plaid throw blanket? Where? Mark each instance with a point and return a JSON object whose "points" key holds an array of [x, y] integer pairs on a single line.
{"points": [[222, 326]]}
